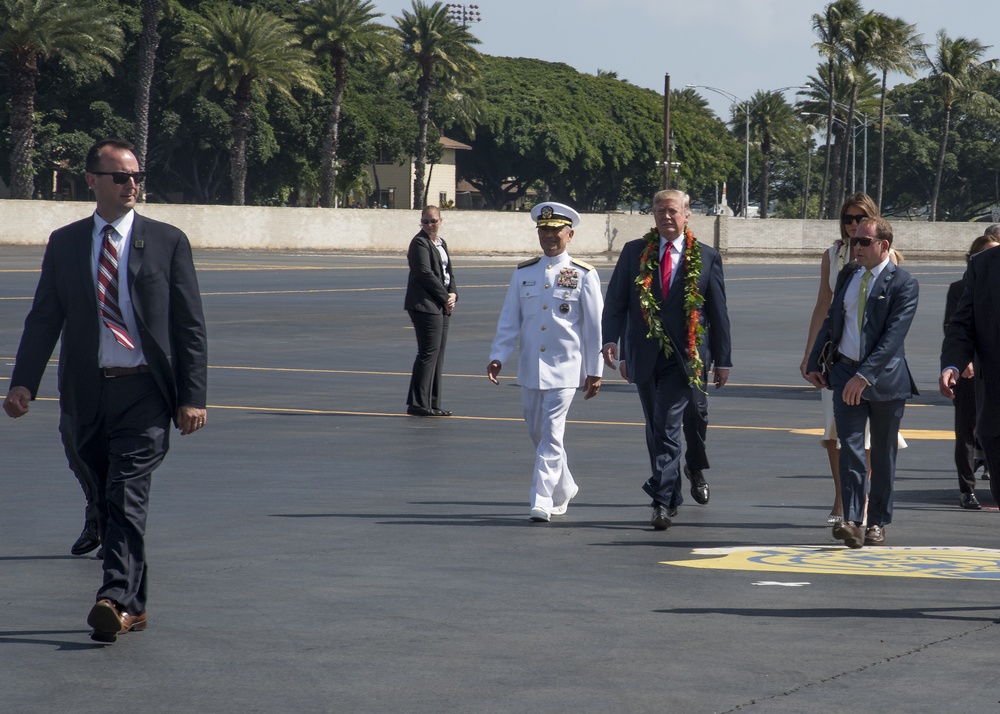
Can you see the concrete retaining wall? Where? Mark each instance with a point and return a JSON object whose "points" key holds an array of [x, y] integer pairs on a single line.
{"points": [[471, 232]]}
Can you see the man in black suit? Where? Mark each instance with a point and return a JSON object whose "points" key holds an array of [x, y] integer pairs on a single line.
{"points": [[873, 305], [656, 282], [968, 453], [431, 295], [121, 292], [974, 332]]}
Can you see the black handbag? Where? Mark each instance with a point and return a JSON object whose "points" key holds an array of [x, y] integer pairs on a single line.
{"points": [[827, 358]]}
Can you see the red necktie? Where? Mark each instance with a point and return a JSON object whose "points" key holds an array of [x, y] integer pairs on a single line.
{"points": [[666, 268], [107, 290]]}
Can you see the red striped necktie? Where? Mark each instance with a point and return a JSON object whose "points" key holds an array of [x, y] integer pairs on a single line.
{"points": [[107, 290]]}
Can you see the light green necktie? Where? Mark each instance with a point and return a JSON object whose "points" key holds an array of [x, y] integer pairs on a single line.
{"points": [[863, 298]]}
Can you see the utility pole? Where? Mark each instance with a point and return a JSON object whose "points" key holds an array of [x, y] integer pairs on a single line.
{"points": [[666, 131]]}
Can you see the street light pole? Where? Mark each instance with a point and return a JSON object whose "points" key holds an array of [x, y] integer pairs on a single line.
{"points": [[745, 106]]}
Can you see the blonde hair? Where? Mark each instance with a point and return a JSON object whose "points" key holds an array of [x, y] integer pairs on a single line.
{"points": [[668, 193]]}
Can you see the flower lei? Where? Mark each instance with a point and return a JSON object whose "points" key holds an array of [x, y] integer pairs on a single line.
{"points": [[841, 254], [649, 265]]}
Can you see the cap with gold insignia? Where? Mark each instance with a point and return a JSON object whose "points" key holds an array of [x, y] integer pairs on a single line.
{"points": [[554, 215]]}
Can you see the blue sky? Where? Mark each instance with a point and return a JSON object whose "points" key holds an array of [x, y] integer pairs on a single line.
{"points": [[739, 46]]}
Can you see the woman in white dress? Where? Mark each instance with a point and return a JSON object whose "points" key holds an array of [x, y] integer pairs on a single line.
{"points": [[856, 207]]}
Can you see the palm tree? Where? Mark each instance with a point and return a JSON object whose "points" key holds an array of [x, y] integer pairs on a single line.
{"points": [[149, 42], [772, 124], [32, 31], [957, 73], [859, 48], [343, 31], [832, 28], [241, 51], [899, 50], [439, 47]]}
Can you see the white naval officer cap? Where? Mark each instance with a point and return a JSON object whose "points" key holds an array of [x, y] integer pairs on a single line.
{"points": [[554, 215]]}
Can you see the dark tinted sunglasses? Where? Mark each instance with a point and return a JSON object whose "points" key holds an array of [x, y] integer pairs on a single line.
{"points": [[122, 177], [863, 242], [429, 221], [850, 218]]}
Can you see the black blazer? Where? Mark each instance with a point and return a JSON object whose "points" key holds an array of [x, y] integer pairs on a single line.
{"points": [[168, 312], [974, 331], [622, 319], [425, 290]]}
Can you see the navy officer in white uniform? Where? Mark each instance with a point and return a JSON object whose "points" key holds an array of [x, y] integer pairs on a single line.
{"points": [[554, 303]]}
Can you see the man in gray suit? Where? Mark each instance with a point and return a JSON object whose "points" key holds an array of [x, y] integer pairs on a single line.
{"points": [[974, 330], [873, 305]]}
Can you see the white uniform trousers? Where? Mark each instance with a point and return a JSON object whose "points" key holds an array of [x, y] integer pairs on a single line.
{"points": [[545, 413]]}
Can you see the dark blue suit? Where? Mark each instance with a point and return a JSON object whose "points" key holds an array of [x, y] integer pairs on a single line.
{"points": [[662, 382], [889, 310]]}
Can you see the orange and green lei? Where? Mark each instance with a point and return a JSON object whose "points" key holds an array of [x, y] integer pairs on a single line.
{"points": [[649, 265]]}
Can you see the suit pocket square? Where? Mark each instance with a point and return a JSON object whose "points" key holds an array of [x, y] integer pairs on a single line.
{"points": [[881, 297]]}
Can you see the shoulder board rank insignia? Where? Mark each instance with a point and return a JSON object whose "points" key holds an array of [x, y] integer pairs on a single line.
{"points": [[526, 263], [585, 266]]}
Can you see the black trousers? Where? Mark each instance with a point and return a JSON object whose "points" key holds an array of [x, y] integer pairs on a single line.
{"points": [[431, 329], [965, 434], [125, 445], [91, 485]]}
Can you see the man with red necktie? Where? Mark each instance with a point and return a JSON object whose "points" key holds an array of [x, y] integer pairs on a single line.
{"points": [[121, 291], [666, 295]]}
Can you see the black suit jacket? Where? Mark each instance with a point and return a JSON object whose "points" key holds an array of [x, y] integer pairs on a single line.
{"points": [[622, 319], [425, 289], [889, 311], [168, 312], [974, 331]]}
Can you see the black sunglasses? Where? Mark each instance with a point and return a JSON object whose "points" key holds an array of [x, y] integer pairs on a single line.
{"points": [[122, 177], [850, 218], [429, 221], [863, 242]]}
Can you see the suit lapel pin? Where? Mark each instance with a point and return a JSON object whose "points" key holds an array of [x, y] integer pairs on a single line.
{"points": [[137, 244]]}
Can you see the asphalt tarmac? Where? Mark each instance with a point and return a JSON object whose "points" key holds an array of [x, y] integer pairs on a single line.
{"points": [[313, 549]]}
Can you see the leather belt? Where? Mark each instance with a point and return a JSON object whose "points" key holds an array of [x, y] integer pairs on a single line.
{"points": [[852, 363], [124, 371]]}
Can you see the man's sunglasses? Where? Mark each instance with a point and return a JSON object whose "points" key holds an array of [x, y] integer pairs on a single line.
{"points": [[122, 177], [850, 218], [429, 221], [863, 242]]}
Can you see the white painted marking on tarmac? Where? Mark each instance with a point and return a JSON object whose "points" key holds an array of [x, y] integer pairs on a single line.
{"points": [[784, 585]]}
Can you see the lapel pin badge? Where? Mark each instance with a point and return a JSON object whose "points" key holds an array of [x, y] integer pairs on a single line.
{"points": [[137, 244]]}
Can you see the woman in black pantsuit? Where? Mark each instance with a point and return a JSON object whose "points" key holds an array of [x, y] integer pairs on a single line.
{"points": [[430, 298]]}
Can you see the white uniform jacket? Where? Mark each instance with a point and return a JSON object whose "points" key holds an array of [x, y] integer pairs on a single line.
{"points": [[555, 304]]}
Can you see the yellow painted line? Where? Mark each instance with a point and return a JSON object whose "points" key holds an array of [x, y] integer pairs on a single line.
{"points": [[951, 563]]}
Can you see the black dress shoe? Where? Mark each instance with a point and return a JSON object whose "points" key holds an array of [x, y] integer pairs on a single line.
{"points": [[89, 539], [969, 500], [420, 411], [699, 486], [441, 412], [661, 518]]}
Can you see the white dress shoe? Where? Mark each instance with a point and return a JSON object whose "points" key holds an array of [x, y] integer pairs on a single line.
{"points": [[560, 510], [539, 515]]}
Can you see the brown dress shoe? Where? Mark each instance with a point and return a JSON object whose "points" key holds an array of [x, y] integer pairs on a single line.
{"points": [[850, 533], [133, 623], [875, 535], [105, 620]]}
